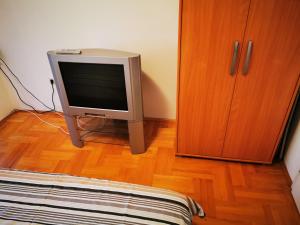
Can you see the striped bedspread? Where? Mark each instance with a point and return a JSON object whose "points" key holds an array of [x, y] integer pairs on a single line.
{"points": [[40, 198]]}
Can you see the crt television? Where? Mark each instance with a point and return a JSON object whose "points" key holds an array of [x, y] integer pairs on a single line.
{"points": [[99, 82]]}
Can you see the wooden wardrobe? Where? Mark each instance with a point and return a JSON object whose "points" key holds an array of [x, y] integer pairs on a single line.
{"points": [[239, 66]]}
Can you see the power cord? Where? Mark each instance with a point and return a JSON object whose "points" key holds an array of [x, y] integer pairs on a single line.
{"points": [[99, 130], [79, 125], [52, 96], [27, 104], [10, 81], [46, 122], [16, 90], [96, 140]]}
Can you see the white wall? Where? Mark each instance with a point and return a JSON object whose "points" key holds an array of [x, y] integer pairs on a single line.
{"points": [[292, 157], [29, 28], [296, 191], [6, 102]]}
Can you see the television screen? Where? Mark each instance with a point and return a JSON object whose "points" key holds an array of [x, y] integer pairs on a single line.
{"points": [[95, 85]]}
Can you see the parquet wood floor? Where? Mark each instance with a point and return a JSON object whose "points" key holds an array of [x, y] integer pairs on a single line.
{"points": [[231, 193]]}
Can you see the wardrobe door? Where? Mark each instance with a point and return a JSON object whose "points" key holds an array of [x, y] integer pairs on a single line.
{"points": [[208, 32], [264, 93]]}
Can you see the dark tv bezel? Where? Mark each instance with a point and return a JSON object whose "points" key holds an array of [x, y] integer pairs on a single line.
{"points": [[107, 113]]}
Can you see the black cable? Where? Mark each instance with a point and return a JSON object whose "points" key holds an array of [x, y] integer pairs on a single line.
{"points": [[23, 101], [94, 140], [17, 91], [15, 76], [52, 97]]}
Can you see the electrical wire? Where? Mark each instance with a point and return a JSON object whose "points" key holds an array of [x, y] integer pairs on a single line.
{"points": [[59, 113], [16, 77], [82, 138], [18, 94], [52, 97], [10, 81], [46, 122], [27, 104], [79, 125], [103, 132], [99, 130]]}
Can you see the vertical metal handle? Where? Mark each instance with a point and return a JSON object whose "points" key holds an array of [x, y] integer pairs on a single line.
{"points": [[248, 58], [234, 57]]}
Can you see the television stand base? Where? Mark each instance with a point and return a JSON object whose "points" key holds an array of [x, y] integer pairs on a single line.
{"points": [[135, 130], [74, 134], [136, 136]]}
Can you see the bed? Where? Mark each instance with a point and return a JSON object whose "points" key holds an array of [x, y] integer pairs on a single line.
{"points": [[42, 198]]}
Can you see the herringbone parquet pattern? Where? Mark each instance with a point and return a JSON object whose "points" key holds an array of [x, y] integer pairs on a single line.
{"points": [[231, 193]]}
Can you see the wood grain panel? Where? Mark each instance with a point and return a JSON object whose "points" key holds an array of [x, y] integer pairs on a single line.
{"points": [[208, 30], [263, 96]]}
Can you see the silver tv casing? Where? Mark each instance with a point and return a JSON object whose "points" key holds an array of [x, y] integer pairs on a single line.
{"points": [[132, 72]]}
